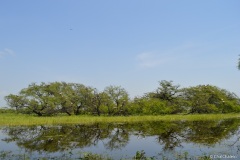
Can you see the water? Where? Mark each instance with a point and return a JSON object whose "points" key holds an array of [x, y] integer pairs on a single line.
{"points": [[172, 140]]}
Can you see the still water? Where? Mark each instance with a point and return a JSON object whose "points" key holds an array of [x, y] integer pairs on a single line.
{"points": [[159, 140]]}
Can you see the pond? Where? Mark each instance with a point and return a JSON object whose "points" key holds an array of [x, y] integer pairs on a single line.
{"points": [[156, 140]]}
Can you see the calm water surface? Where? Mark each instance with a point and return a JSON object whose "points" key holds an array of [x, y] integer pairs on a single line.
{"points": [[122, 140]]}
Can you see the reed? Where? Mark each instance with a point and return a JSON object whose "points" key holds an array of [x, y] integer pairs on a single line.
{"points": [[12, 119]]}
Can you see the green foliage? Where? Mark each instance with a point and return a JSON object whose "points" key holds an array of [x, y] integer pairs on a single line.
{"points": [[16, 101], [117, 99], [210, 99], [166, 91], [140, 155], [7, 110], [92, 156], [48, 99], [148, 106]]}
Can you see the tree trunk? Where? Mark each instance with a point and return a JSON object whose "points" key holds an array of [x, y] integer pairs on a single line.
{"points": [[38, 113]]}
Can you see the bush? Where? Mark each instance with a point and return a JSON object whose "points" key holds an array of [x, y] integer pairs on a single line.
{"points": [[7, 110]]}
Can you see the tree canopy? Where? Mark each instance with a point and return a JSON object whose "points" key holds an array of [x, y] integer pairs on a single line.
{"points": [[47, 99]]}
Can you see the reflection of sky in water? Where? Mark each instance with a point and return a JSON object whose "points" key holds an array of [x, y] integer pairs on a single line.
{"points": [[4, 146], [152, 148], [150, 145]]}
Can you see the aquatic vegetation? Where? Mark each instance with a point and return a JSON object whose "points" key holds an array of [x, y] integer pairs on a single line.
{"points": [[140, 155], [11, 119]]}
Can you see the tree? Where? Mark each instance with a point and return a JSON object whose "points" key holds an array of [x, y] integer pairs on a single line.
{"points": [[166, 91], [72, 98], [99, 100], [82, 97], [47, 99], [15, 101], [149, 106], [170, 95], [117, 100], [53, 98], [62, 93], [39, 99], [210, 99]]}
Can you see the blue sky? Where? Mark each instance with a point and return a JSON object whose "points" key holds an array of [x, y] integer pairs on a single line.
{"points": [[131, 43]]}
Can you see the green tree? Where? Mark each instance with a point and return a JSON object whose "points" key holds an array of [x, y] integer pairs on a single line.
{"points": [[53, 98], [46, 99], [72, 98], [210, 99], [117, 100], [15, 101], [166, 91], [149, 106], [39, 100], [82, 98], [99, 101], [62, 92], [170, 95]]}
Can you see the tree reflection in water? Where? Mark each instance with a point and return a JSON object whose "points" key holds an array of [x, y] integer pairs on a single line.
{"points": [[116, 136]]}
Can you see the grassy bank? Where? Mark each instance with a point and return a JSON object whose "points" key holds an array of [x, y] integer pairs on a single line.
{"points": [[11, 119]]}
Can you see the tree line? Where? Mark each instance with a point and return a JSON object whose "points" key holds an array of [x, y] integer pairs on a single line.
{"points": [[47, 99]]}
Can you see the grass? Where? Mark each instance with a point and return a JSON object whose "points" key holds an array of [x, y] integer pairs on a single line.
{"points": [[12, 119]]}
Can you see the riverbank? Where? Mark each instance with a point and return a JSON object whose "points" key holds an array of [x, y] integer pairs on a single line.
{"points": [[12, 119]]}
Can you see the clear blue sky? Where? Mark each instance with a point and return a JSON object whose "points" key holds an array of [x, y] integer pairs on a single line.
{"points": [[131, 43]]}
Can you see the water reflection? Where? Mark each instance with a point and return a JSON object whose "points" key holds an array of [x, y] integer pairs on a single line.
{"points": [[168, 135]]}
